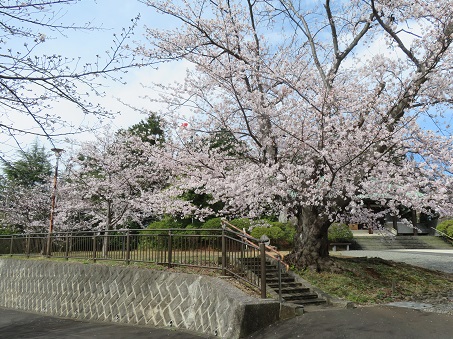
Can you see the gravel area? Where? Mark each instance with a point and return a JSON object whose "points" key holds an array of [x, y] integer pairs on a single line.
{"points": [[440, 260]]}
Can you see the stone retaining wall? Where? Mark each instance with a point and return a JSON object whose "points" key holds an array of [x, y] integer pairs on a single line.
{"points": [[132, 295]]}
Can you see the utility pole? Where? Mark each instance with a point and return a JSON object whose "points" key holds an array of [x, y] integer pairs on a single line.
{"points": [[57, 152]]}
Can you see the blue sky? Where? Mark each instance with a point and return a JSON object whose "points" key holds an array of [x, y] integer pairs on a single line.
{"points": [[110, 16]]}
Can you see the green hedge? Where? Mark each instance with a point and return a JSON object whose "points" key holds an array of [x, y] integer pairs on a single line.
{"points": [[159, 239], [241, 223], [213, 223], [280, 234], [339, 233]]}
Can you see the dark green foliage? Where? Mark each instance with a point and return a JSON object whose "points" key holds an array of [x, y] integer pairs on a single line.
{"points": [[213, 223], [446, 227], [149, 130], [158, 232], [225, 141], [273, 232], [8, 230], [32, 168], [339, 233], [24, 190], [165, 223], [202, 200], [242, 223], [280, 234], [289, 231], [208, 226]]}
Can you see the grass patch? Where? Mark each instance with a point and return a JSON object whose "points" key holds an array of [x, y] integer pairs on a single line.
{"points": [[374, 281]]}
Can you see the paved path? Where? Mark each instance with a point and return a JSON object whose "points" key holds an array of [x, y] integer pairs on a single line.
{"points": [[441, 260], [377, 322], [16, 324]]}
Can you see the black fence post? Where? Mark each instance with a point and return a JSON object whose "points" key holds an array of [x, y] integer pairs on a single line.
{"points": [[27, 246], [223, 250], [128, 248], [66, 246], [94, 247], [263, 270], [243, 248], [169, 249], [279, 280], [11, 246]]}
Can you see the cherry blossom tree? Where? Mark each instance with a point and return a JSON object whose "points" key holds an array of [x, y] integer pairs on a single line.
{"points": [[323, 99], [105, 184], [25, 191]]}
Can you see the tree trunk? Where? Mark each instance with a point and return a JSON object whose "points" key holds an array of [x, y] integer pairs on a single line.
{"points": [[311, 247], [108, 227]]}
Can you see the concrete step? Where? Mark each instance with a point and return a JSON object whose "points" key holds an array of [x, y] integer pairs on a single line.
{"points": [[285, 284], [400, 242], [274, 280], [305, 302], [299, 296], [294, 290]]}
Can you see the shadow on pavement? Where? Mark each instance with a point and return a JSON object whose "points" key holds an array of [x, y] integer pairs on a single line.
{"points": [[17, 324]]}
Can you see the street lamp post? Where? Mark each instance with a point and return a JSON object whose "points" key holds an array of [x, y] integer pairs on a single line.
{"points": [[57, 152]]}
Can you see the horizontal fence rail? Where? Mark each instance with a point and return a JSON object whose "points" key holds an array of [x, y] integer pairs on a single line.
{"points": [[229, 250]]}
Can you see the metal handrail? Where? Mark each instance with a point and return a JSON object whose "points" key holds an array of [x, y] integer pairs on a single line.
{"points": [[270, 251], [442, 233]]}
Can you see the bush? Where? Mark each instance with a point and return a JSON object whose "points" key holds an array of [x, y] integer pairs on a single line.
{"points": [[273, 232], [241, 223], [339, 233], [446, 227], [208, 226], [158, 235], [165, 223], [8, 231], [450, 232], [280, 234], [214, 223]]}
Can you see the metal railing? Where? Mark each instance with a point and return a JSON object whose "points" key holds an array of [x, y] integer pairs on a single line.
{"points": [[266, 253], [228, 249], [442, 234]]}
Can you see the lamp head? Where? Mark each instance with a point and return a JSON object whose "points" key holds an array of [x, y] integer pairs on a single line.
{"points": [[57, 151]]}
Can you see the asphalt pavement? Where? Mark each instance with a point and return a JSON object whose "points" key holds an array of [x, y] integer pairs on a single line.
{"points": [[16, 324], [376, 322]]}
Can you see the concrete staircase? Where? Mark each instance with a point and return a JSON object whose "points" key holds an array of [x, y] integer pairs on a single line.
{"points": [[292, 291], [377, 243]]}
